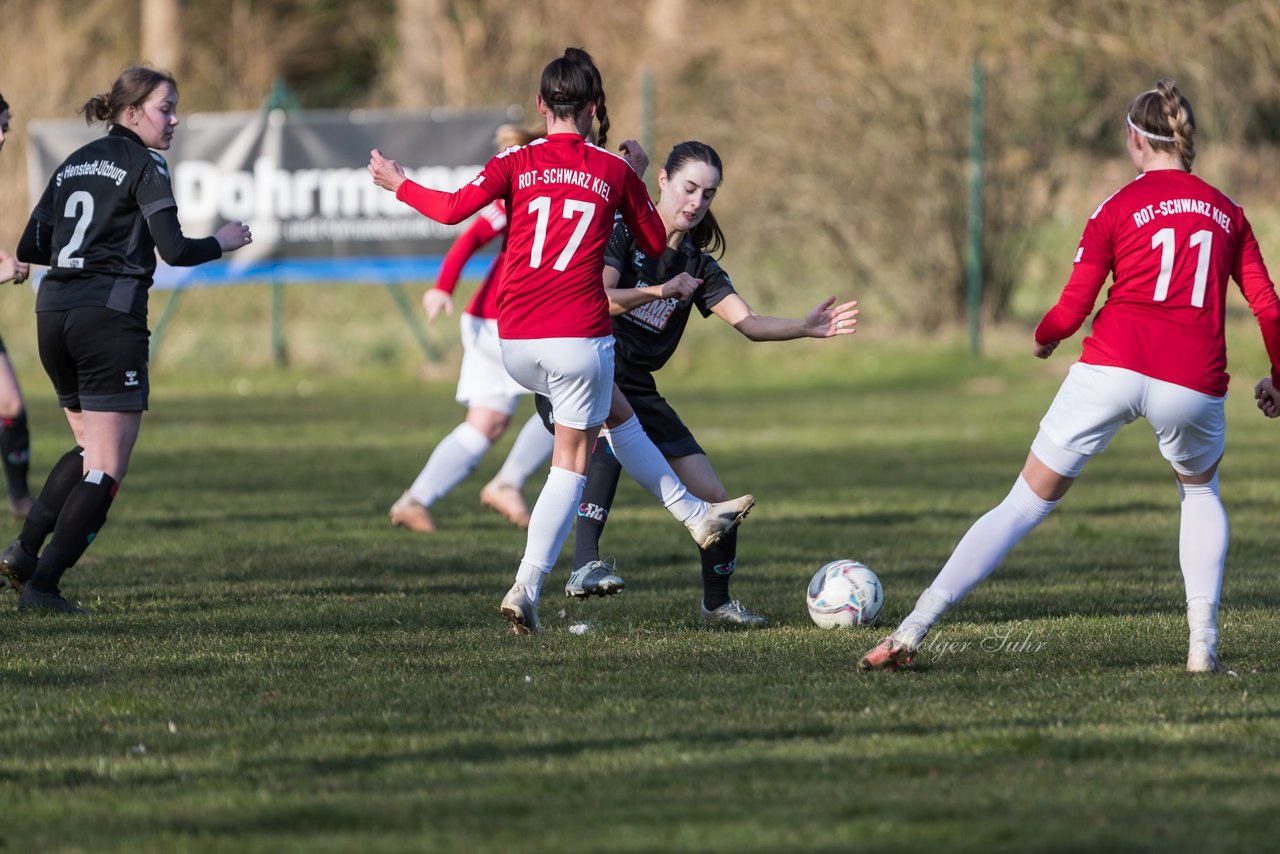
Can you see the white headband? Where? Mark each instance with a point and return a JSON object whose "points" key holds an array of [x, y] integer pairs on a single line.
{"points": [[1148, 134]]}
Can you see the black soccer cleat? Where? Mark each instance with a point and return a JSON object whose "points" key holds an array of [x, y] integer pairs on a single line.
{"points": [[17, 565], [33, 599]]}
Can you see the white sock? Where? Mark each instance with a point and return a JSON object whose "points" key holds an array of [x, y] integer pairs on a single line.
{"points": [[990, 539], [1202, 541], [648, 467], [453, 459], [1202, 621], [931, 605], [528, 454], [549, 526]]}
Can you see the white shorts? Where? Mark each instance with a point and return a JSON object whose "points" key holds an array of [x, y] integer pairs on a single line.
{"points": [[576, 373], [482, 380], [1095, 401]]}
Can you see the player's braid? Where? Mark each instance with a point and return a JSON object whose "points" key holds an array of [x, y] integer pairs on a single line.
{"points": [[1164, 112], [1181, 123], [602, 113]]}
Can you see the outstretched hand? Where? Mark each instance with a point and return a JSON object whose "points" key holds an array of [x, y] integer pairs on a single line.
{"points": [[1268, 398], [387, 174], [826, 321]]}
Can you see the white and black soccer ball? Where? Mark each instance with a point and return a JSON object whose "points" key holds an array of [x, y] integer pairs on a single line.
{"points": [[845, 593]]}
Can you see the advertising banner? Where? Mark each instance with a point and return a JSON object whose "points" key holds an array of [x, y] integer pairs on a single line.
{"points": [[299, 179]]}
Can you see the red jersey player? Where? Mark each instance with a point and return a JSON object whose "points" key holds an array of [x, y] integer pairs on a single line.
{"points": [[484, 386], [1170, 242], [561, 194]]}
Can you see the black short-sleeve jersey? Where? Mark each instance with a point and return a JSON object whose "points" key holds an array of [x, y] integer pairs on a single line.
{"points": [[647, 336], [97, 204]]}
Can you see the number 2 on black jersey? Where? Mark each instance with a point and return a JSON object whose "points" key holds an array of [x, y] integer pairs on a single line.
{"points": [[79, 204]]}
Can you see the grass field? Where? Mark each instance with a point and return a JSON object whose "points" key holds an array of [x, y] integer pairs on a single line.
{"points": [[270, 667]]}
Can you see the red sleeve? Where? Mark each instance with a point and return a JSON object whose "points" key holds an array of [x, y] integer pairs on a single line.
{"points": [[468, 243], [1074, 306], [1094, 260], [638, 213], [448, 208], [1250, 272]]}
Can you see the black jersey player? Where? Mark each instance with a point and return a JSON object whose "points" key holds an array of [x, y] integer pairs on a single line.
{"points": [[651, 299], [105, 212]]}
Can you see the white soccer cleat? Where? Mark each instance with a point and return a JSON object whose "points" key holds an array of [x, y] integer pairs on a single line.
{"points": [[721, 518], [520, 611], [1203, 658], [597, 578], [731, 613], [1202, 646]]}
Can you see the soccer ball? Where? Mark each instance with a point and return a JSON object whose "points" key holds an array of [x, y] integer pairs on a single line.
{"points": [[845, 593]]}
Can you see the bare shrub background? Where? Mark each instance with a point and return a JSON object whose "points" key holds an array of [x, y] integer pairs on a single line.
{"points": [[843, 125]]}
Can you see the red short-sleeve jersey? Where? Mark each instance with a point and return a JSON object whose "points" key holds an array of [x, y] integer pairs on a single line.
{"points": [[1170, 241], [561, 194]]}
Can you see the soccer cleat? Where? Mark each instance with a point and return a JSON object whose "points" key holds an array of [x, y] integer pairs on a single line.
{"points": [[721, 518], [889, 655], [20, 507], [1202, 658], [505, 500], [731, 613], [408, 513], [32, 599], [17, 565], [597, 578], [520, 611]]}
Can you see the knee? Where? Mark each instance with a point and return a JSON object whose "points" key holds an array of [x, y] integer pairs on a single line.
{"points": [[11, 406], [490, 423]]}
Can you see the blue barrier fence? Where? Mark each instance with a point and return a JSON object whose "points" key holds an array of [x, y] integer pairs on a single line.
{"points": [[391, 273]]}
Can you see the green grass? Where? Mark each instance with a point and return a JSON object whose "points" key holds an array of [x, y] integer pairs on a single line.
{"points": [[270, 667]]}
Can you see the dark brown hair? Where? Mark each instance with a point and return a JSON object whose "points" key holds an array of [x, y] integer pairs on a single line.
{"points": [[132, 89], [706, 235], [4, 105], [1164, 112], [570, 83]]}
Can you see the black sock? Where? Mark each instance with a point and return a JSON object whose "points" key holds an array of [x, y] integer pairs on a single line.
{"points": [[66, 473], [82, 516], [15, 447], [718, 563], [603, 473]]}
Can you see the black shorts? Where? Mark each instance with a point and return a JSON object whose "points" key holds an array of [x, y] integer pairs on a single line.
{"points": [[659, 420], [96, 357]]}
